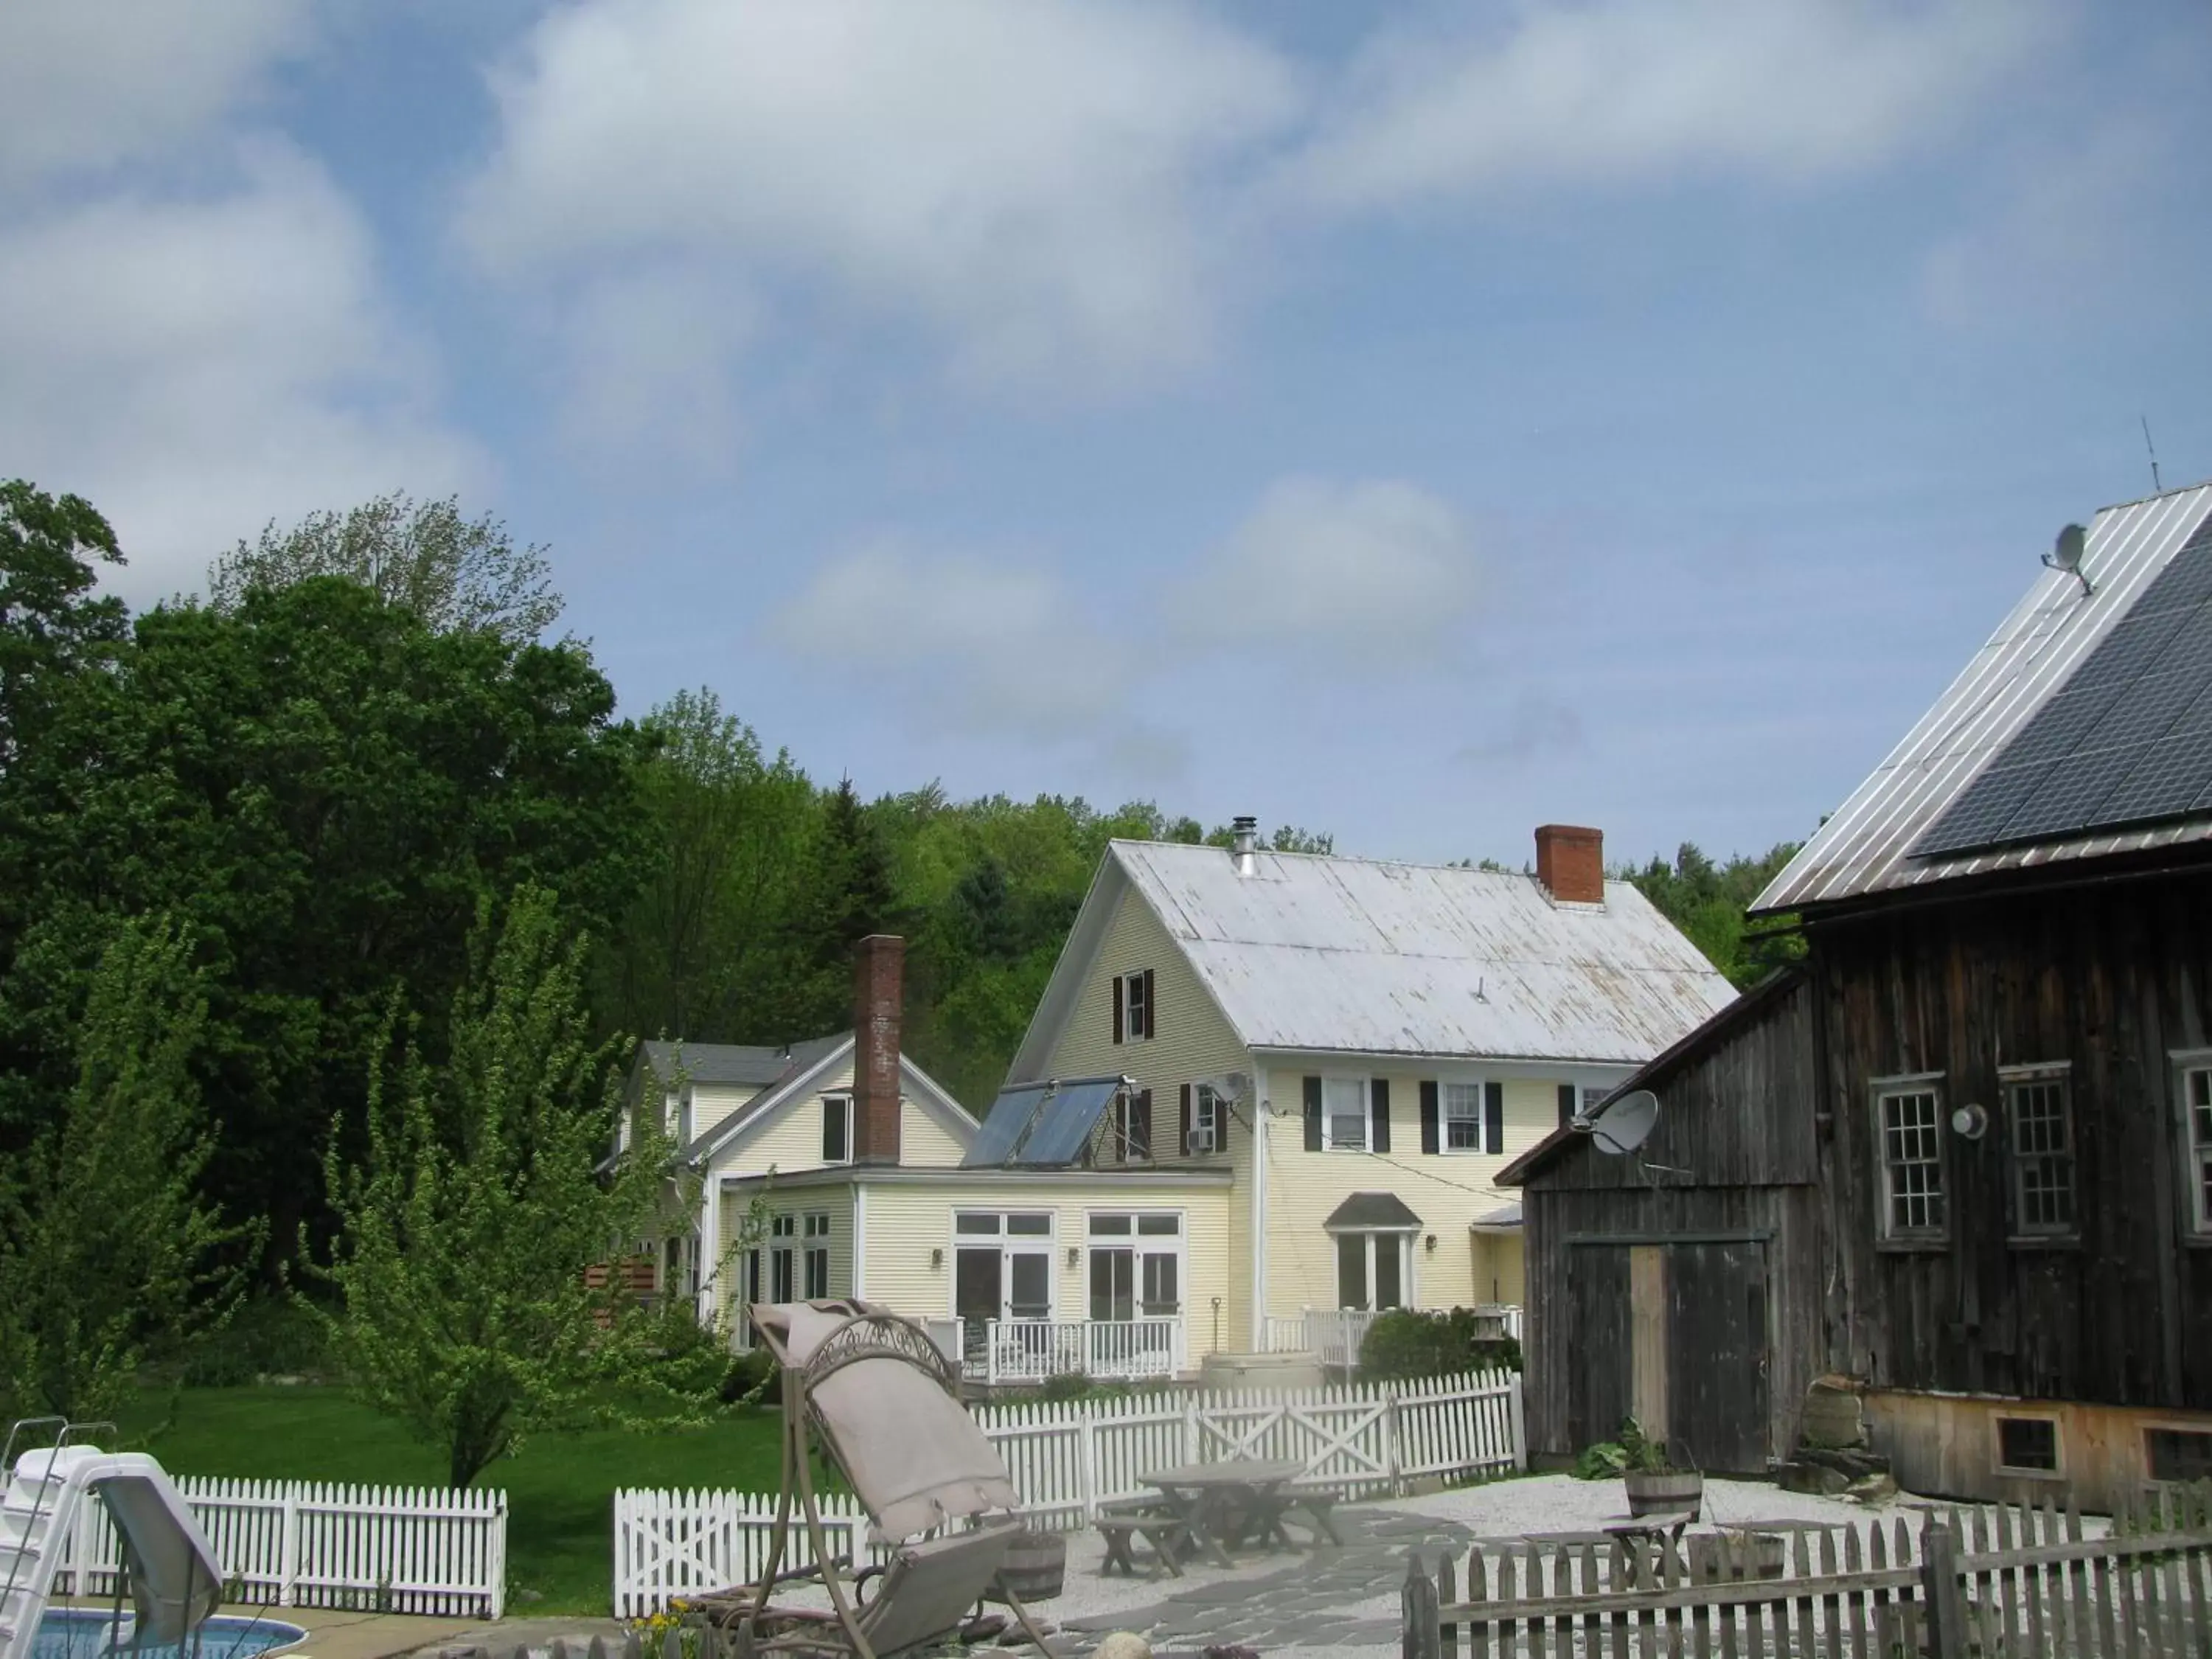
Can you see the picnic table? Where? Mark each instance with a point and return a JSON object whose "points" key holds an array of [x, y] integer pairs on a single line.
{"points": [[1238, 1500]]}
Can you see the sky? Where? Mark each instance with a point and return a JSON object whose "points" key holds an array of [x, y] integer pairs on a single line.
{"points": [[1416, 422]]}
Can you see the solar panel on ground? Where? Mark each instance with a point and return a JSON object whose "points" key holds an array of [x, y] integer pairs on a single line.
{"points": [[2127, 739]]}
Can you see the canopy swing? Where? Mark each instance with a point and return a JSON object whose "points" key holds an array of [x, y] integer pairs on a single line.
{"points": [[885, 1406]]}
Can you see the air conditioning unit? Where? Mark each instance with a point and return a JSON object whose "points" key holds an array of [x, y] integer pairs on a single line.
{"points": [[1198, 1141]]}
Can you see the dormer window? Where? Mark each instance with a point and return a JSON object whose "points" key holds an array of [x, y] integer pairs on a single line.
{"points": [[836, 1128]]}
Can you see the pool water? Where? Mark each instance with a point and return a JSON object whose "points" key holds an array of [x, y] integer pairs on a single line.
{"points": [[84, 1633]]}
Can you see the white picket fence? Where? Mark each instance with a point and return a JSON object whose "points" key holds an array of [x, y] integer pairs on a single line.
{"points": [[1068, 1457], [314, 1544]]}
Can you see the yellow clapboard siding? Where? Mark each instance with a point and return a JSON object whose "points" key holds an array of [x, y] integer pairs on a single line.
{"points": [[1193, 1041], [794, 1141], [1447, 1190], [907, 1220]]}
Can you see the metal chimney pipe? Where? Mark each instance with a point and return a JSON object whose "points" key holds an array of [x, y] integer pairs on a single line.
{"points": [[1244, 845]]}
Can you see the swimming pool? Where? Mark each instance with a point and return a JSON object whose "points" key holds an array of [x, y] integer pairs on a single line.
{"points": [[84, 1632]]}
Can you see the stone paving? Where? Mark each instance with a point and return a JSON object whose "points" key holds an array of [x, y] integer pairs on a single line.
{"points": [[1303, 1603]]}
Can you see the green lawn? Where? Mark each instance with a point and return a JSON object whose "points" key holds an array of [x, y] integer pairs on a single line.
{"points": [[559, 1491]]}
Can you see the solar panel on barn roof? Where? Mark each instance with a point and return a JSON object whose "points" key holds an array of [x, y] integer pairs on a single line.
{"points": [[2126, 740]]}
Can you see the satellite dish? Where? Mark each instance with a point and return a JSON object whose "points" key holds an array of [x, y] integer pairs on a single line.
{"points": [[1230, 1085], [2066, 555], [1627, 1124]]}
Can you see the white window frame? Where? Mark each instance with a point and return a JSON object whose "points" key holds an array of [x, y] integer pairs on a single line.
{"points": [[1008, 1244], [815, 1229], [2011, 1081], [1205, 1112], [1998, 1419], [1125, 1114], [2195, 1128], [1406, 1257], [1446, 1118], [831, 1103], [1329, 1143], [1895, 1088], [1133, 1031], [1139, 1245]]}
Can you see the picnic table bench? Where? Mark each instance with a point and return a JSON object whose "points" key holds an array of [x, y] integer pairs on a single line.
{"points": [[1158, 1524]]}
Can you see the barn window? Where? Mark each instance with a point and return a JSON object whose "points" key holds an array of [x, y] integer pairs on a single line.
{"points": [[2184, 1454], [1910, 1118], [2039, 1138], [2027, 1445], [2199, 1105]]}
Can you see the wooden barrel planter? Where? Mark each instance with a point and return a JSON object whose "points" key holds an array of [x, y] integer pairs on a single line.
{"points": [[1668, 1493], [1036, 1566]]}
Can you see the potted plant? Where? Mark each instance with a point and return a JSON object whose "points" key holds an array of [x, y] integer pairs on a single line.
{"points": [[1654, 1484]]}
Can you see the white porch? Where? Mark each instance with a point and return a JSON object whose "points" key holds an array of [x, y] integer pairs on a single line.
{"points": [[1334, 1335], [1032, 1350]]}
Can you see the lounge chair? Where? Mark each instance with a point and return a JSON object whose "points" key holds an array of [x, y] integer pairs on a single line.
{"points": [[884, 1402]]}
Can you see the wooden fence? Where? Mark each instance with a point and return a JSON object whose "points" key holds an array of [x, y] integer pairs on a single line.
{"points": [[1068, 1457], [309, 1543], [2001, 1583]]}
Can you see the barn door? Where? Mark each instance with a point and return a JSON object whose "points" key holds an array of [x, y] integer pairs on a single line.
{"points": [[1717, 1356], [1598, 1379]]}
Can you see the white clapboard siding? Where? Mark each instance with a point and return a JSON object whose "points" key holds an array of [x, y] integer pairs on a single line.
{"points": [[312, 1544], [1067, 1457]]}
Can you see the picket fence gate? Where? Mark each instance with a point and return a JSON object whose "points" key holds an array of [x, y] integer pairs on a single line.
{"points": [[2001, 1583], [1068, 1457], [315, 1543]]}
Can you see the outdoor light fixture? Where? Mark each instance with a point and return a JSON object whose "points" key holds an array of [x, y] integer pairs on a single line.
{"points": [[937, 1258], [1074, 1255], [1431, 1242]]}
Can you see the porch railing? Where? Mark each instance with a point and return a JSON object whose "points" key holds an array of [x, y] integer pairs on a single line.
{"points": [[1112, 1350], [1334, 1335]]}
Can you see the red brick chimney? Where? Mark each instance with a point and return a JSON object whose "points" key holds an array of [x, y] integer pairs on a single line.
{"points": [[1570, 863], [879, 1007]]}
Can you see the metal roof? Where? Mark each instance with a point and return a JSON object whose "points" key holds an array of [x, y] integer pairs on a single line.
{"points": [[1312, 953], [1866, 845]]}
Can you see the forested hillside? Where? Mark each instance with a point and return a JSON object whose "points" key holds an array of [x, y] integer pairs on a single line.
{"points": [[311, 781]]}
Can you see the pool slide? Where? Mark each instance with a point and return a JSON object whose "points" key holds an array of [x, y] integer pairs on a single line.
{"points": [[175, 1582]]}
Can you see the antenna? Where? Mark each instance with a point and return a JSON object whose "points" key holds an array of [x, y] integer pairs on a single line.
{"points": [[2066, 555], [2156, 487]]}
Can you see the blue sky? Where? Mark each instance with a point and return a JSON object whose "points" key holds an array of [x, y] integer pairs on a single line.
{"points": [[1417, 422]]}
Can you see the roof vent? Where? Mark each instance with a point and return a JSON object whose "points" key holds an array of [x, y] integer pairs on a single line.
{"points": [[1244, 845]]}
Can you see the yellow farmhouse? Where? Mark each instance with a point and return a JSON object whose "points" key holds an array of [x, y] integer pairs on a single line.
{"points": [[1265, 1095]]}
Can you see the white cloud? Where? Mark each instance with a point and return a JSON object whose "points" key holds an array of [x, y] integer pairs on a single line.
{"points": [[2076, 225], [86, 85], [646, 366], [1372, 573], [195, 367], [988, 645], [1034, 181], [1610, 91]]}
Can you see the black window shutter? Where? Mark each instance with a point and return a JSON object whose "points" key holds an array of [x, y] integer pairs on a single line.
{"points": [[1117, 1007], [1378, 1113], [1493, 1117], [1141, 1126], [1313, 1114], [1221, 1118], [1183, 1146], [1152, 1006], [1431, 1140], [1567, 1103]]}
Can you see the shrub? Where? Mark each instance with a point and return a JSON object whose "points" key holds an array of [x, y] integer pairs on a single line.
{"points": [[751, 1375], [268, 1336], [1409, 1342]]}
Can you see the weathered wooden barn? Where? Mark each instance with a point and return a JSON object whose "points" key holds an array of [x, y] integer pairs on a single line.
{"points": [[1961, 1157]]}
